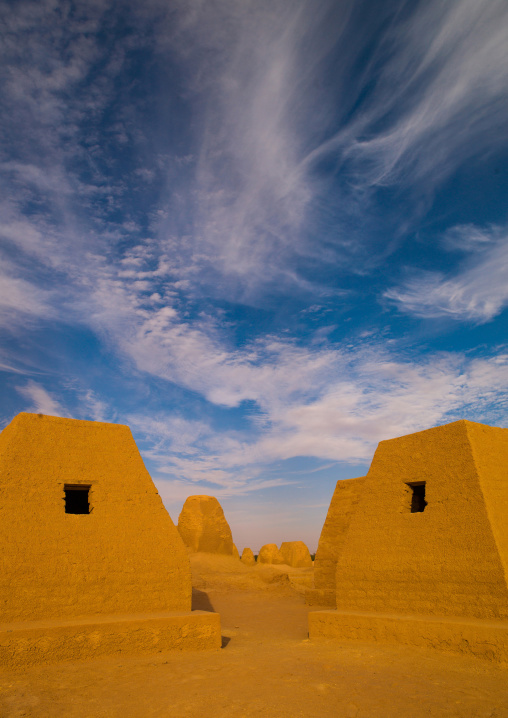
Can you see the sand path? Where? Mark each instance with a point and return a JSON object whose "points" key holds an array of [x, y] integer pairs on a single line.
{"points": [[267, 667]]}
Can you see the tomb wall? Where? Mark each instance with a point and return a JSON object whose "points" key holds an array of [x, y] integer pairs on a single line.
{"points": [[342, 506], [444, 560], [490, 452], [124, 556]]}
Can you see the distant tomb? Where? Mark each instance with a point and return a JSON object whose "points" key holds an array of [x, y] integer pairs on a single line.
{"points": [[296, 554], [248, 557], [203, 526], [269, 553], [425, 557], [91, 562]]}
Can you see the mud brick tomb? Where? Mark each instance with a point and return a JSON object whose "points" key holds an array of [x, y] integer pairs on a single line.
{"points": [[421, 553], [91, 562]]}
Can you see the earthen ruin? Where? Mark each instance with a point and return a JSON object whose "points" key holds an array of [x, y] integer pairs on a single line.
{"points": [[269, 553], [248, 557], [203, 526], [91, 561], [295, 554], [425, 557]]}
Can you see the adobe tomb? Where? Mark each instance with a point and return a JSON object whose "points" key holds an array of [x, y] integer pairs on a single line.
{"points": [[425, 557], [92, 563], [295, 554], [203, 527], [269, 553]]}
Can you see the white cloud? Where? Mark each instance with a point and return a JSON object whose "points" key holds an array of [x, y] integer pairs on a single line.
{"points": [[15, 362], [369, 396], [21, 302], [11, 369], [174, 491], [478, 293], [471, 238], [41, 402], [249, 74], [319, 400], [253, 75], [440, 99], [94, 408]]}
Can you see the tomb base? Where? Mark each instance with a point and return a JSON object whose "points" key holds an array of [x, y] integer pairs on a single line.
{"points": [[23, 644], [320, 597], [482, 638]]}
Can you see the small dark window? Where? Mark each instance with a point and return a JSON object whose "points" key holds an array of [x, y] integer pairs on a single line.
{"points": [[418, 502], [76, 499]]}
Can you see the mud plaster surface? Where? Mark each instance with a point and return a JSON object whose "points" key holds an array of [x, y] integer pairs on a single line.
{"points": [[267, 667]]}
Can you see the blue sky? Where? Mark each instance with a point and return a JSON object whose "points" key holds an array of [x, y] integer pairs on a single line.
{"points": [[266, 235]]}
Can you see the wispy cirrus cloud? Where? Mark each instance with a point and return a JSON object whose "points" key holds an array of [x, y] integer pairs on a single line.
{"points": [[126, 210], [22, 302], [476, 293], [406, 109], [80, 403], [242, 184], [41, 400], [439, 98], [252, 85], [93, 407], [468, 238]]}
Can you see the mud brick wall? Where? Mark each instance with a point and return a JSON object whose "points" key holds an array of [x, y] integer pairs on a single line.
{"points": [[333, 535], [450, 558], [124, 556]]}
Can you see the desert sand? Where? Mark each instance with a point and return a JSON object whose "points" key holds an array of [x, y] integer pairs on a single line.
{"points": [[267, 667]]}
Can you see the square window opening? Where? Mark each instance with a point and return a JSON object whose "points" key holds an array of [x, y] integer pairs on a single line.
{"points": [[77, 498], [418, 502]]}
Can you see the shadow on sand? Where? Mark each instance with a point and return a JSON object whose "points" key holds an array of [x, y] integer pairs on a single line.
{"points": [[201, 602]]}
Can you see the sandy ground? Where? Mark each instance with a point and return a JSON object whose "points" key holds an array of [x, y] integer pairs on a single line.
{"points": [[267, 667]]}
